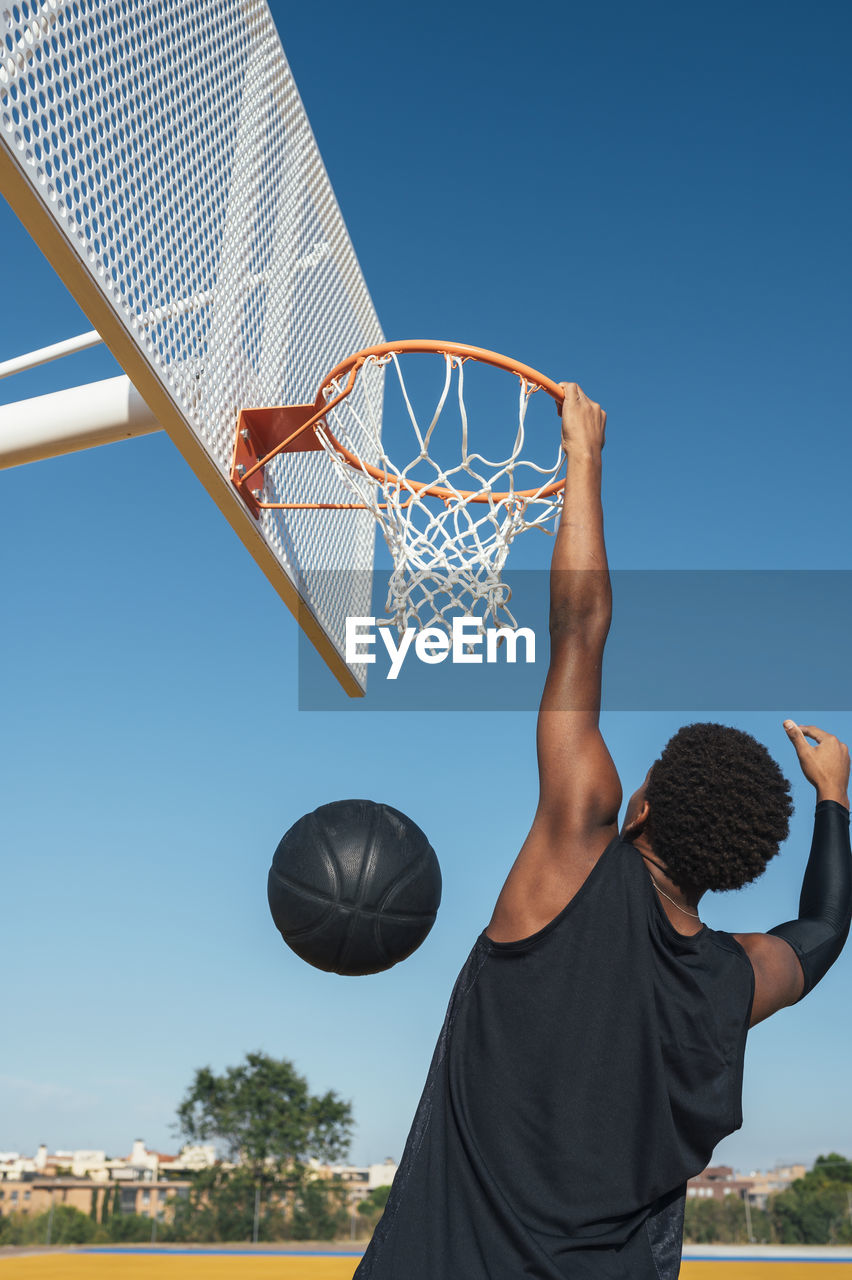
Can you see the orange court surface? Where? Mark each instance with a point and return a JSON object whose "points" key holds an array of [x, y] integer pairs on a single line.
{"points": [[328, 1264]]}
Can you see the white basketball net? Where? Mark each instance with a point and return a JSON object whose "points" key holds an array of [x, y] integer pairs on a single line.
{"points": [[448, 553]]}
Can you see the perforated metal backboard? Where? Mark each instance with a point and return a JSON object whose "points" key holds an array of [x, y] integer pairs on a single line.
{"points": [[159, 154]]}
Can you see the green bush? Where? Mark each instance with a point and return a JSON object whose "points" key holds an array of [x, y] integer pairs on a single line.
{"points": [[714, 1221], [124, 1228], [374, 1201], [221, 1202], [69, 1226], [219, 1207], [8, 1228], [319, 1210], [372, 1207]]}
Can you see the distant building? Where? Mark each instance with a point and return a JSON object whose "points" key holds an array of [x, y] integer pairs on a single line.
{"points": [[360, 1179], [149, 1199], [382, 1175], [143, 1180], [87, 1164], [764, 1185], [718, 1181], [141, 1165], [190, 1158]]}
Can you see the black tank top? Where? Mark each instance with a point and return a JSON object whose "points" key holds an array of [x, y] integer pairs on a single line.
{"points": [[580, 1077]]}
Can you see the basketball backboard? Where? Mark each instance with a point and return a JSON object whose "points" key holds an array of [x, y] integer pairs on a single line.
{"points": [[160, 156]]}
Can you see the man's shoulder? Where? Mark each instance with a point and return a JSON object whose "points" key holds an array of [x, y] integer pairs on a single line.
{"points": [[778, 977], [546, 879]]}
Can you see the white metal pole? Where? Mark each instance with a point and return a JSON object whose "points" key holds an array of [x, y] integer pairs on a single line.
{"points": [[54, 352], [68, 421]]}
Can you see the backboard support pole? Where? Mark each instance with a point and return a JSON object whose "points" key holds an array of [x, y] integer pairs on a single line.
{"points": [[69, 421], [56, 351]]}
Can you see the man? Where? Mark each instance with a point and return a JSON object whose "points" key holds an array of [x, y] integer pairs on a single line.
{"points": [[592, 1053]]}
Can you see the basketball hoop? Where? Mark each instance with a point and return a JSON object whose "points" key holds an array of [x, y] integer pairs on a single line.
{"points": [[449, 543]]}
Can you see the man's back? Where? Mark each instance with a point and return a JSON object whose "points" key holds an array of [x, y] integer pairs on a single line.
{"points": [[582, 1075]]}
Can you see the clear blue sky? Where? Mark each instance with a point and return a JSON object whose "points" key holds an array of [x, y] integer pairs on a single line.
{"points": [[654, 202]]}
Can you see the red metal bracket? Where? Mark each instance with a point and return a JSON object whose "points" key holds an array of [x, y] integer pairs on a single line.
{"points": [[260, 432]]}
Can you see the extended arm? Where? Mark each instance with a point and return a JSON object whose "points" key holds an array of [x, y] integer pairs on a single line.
{"points": [[825, 905], [579, 787], [790, 959], [579, 791]]}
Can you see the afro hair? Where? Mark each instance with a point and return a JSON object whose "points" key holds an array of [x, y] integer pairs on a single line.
{"points": [[719, 807]]}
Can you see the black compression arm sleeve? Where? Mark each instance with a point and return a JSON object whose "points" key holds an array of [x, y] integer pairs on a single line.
{"points": [[825, 906]]}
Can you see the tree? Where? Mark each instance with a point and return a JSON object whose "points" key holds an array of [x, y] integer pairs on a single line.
{"points": [[262, 1117], [219, 1205], [721, 1221], [817, 1208], [261, 1114], [111, 1203], [372, 1206], [831, 1168], [319, 1209], [374, 1201]]}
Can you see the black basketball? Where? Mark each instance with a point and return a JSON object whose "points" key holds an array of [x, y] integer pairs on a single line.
{"points": [[354, 887]]}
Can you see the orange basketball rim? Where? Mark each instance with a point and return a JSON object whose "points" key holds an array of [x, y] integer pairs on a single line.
{"points": [[264, 433]]}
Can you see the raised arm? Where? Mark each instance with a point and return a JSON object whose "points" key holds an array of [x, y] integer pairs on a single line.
{"points": [[791, 959], [579, 787], [579, 790]]}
